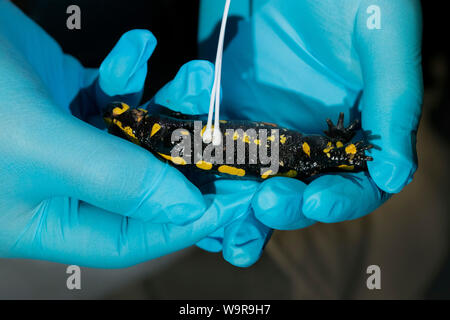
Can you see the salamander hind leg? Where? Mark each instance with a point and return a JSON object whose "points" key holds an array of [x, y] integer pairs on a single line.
{"points": [[340, 133]]}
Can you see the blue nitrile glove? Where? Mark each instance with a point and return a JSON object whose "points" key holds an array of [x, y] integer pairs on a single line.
{"points": [[189, 93], [72, 193], [298, 62]]}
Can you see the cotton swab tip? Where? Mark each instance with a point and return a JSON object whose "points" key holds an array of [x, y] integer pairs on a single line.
{"points": [[207, 135], [217, 137]]}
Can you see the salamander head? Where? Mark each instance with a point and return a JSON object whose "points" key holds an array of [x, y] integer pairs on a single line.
{"points": [[118, 116], [114, 111]]}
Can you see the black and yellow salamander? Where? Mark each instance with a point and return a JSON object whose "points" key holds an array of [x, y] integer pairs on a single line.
{"points": [[299, 156]]}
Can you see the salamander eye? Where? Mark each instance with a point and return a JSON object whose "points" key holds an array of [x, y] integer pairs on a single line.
{"points": [[138, 115]]}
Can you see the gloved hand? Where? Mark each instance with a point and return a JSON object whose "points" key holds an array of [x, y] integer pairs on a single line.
{"points": [[72, 193], [297, 63]]}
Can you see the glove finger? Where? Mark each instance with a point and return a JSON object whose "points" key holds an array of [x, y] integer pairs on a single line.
{"points": [[213, 242], [190, 91], [393, 89], [278, 204], [244, 240], [121, 78], [341, 197], [69, 231], [125, 68]]}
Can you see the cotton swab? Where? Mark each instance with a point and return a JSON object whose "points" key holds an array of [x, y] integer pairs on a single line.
{"points": [[209, 135]]}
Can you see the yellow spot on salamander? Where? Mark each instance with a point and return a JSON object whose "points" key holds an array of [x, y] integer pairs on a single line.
{"points": [[246, 138], [258, 142], [128, 131], [339, 144], [231, 170], [266, 174], [306, 149], [271, 138], [204, 165], [328, 148], [156, 127], [283, 139], [235, 136], [185, 133], [351, 149], [118, 111], [176, 160], [291, 174], [346, 167]]}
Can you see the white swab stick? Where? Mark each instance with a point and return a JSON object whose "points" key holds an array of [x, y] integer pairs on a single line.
{"points": [[216, 137]]}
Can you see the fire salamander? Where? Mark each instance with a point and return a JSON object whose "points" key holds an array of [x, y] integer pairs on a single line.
{"points": [[299, 156]]}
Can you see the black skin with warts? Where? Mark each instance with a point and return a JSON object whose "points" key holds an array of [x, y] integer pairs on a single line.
{"points": [[332, 152]]}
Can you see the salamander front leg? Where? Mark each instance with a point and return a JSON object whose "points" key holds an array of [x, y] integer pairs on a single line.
{"points": [[339, 132]]}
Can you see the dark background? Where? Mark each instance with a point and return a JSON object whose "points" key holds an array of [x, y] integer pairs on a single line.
{"points": [[175, 23]]}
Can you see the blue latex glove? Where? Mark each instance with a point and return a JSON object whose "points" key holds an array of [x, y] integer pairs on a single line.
{"points": [[298, 62], [72, 193]]}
